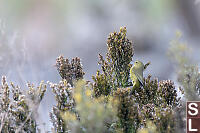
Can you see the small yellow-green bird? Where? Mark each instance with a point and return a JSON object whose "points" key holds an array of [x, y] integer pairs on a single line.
{"points": [[136, 74]]}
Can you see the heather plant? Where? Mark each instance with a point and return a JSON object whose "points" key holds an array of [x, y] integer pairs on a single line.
{"points": [[187, 72], [78, 106], [127, 111], [63, 91], [19, 109], [70, 71], [115, 68], [150, 128], [65, 102], [152, 104], [95, 114], [154, 101], [188, 76], [109, 103], [77, 110]]}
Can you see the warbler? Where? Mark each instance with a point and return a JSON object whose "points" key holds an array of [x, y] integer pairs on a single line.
{"points": [[136, 74]]}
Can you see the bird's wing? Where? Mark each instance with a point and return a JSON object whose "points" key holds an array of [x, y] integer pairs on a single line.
{"points": [[140, 78], [131, 73]]}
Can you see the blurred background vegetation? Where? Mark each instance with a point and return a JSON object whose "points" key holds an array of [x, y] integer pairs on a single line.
{"points": [[34, 32]]}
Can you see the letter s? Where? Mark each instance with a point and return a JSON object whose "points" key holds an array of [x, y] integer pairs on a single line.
{"points": [[193, 108]]}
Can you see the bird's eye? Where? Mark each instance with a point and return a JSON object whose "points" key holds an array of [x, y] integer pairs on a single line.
{"points": [[136, 62]]}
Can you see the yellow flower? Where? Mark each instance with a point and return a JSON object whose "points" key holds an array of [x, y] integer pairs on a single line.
{"points": [[178, 34], [88, 92], [65, 83], [100, 99], [88, 104], [143, 130], [78, 97], [67, 116]]}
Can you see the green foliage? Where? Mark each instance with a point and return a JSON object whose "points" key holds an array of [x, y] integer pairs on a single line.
{"points": [[115, 68], [119, 56], [127, 111], [101, 85]]}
